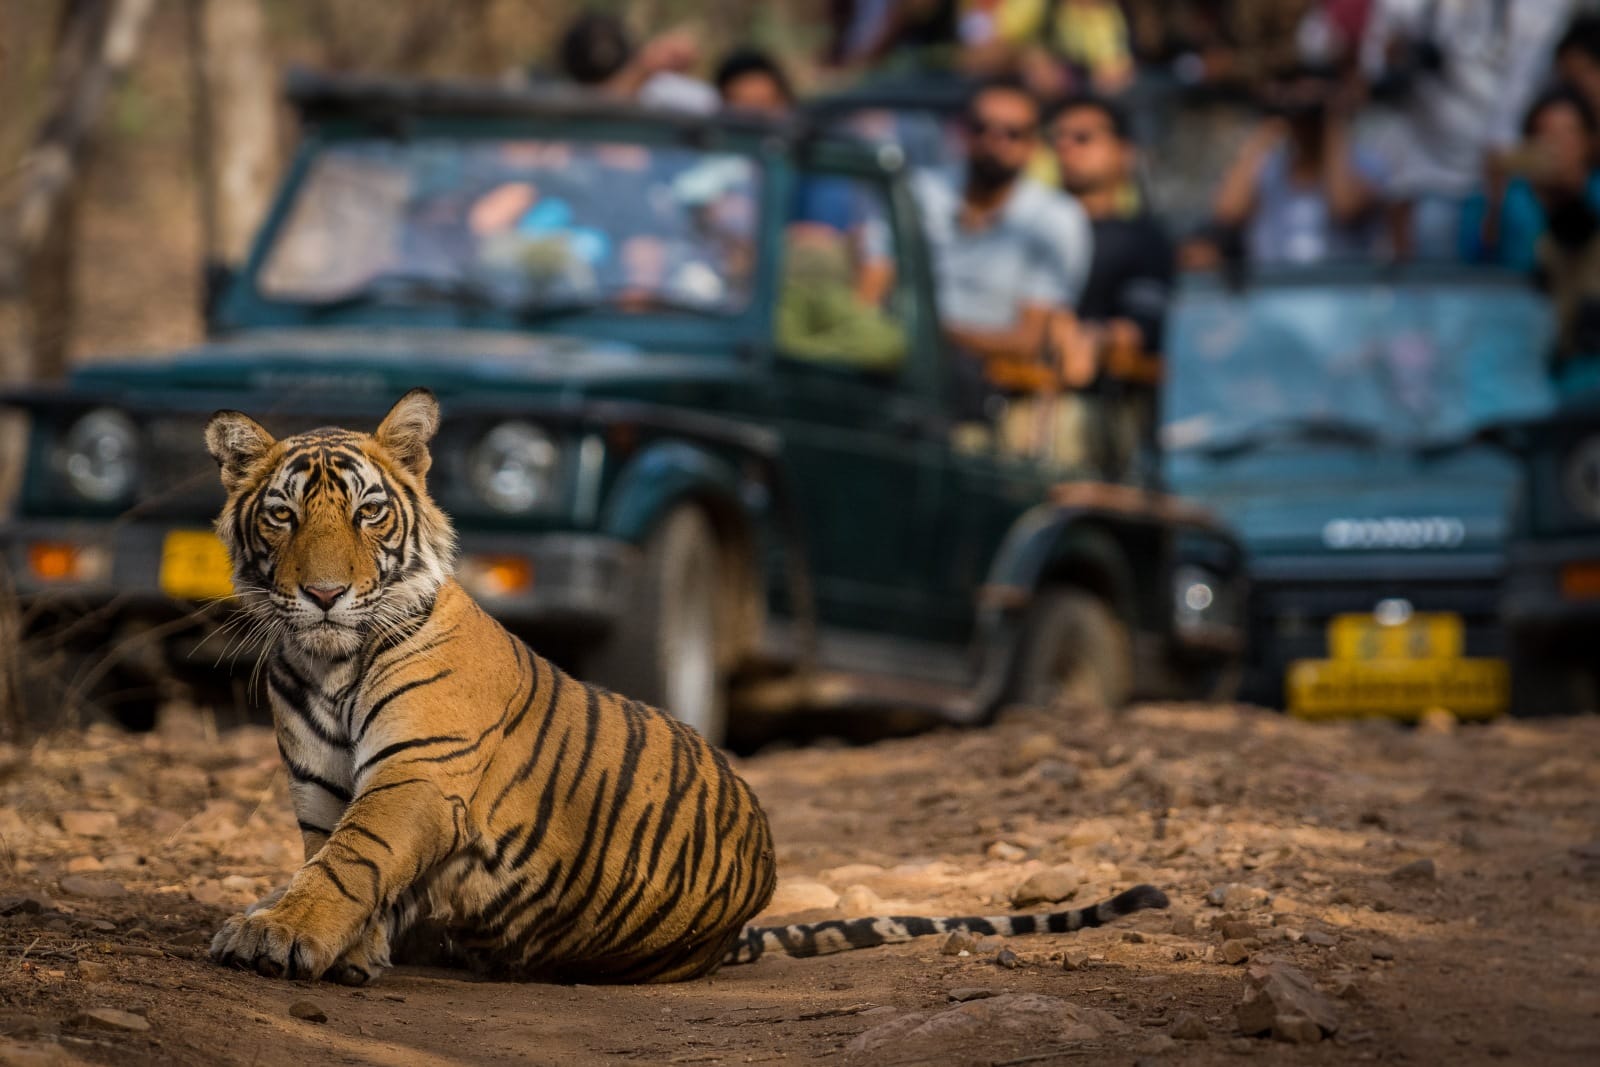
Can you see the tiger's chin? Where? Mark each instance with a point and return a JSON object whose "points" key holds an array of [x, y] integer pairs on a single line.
{"points": [[328, 640]]}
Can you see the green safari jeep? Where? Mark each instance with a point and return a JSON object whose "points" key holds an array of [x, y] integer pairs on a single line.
{"points": [[702, 439]]}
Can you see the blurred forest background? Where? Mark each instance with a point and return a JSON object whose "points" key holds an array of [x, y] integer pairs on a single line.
{"points": [[140, 138]]}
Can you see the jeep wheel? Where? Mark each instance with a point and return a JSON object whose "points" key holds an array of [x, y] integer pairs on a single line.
{"points": [[665, 650], [1545, 684], [1074, 648]]}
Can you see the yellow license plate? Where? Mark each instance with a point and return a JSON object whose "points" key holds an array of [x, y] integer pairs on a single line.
{"points": [[1431, 636], [1398, 688], [195, 566]]}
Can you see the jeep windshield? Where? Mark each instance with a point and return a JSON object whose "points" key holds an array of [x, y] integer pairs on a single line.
{"points": [[523, 229], [1362, 358]]}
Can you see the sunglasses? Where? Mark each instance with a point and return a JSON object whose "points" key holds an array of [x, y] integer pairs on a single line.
{"points": [[982, 128]]}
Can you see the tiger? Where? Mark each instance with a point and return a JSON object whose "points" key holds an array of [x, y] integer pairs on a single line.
{"points": [[451, 785]]}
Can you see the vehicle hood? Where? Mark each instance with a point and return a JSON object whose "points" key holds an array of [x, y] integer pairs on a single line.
{"points": [[1347, 501], [358, 364]]}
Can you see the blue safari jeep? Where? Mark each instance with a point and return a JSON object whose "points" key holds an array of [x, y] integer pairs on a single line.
{"points": [[692, 448], [1343, 420]]}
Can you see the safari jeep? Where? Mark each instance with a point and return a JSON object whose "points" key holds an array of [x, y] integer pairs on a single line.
{"points": [[1341, 419], [693, 447]]}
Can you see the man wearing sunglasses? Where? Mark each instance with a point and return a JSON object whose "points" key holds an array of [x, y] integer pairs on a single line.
{"points": [[1012, 254]]}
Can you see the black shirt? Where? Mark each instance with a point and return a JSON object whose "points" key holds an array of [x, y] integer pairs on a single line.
{"points": [[1130, 276]]}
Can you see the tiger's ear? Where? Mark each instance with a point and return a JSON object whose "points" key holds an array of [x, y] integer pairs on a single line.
{"points": [[408, 428], [236, 442]]}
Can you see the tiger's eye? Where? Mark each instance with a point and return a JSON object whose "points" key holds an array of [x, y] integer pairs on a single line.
{"points": [[280, 514], [370, 511]]}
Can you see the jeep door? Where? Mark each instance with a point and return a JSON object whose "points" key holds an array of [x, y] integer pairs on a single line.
{"points": [[850, 393]]}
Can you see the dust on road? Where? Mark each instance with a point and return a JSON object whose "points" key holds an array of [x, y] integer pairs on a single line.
{"points": [[1348, 893]]}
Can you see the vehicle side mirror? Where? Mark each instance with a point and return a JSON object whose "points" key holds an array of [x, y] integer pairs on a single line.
{"points": [[216, 278]]}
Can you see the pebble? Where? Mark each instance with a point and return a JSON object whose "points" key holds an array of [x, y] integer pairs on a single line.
{"points": [[90, 971], [1320, 938], [958, 942], [109, 1019], [1189, 1027], [1006, 852], [88, 823], [1133, 937], [966, 993], [1417, 872], [1437, 721], [1183, 923], [238, 883], [1049, 886], [1237, 930], [1074, 960], [1029, 751], [858, 901], [1381, 951], [84, 865], [1275, 990], [1243, 897], [1296, 1030], [309, 1010], [32, 904], [1058, 771], [96, 888], [1007, 959], [1235, 951]]}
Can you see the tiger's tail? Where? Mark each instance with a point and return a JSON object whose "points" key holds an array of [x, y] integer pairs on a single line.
{"points": [[842, 935]]}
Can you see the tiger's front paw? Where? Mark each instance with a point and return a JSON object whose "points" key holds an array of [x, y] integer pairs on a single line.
{"points": [[261, 942], [365, 960]]}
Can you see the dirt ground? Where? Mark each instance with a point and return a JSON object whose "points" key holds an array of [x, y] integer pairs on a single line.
{"points": [[120, 855]]}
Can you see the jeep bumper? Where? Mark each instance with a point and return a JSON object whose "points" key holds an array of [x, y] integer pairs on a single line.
{"points": [[572, 582], [1554, 586]]}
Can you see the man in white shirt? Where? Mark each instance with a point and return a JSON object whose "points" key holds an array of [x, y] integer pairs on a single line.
{"points": [[1472, 68]]}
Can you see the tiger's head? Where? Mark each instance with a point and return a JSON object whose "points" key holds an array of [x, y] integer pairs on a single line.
{"points": [[331, 532]]}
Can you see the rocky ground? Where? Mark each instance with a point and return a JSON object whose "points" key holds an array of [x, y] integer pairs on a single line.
{"points": [[1347, 893]]}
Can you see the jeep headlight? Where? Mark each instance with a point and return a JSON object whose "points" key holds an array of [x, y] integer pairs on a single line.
{"points": [[1203, 605], [513, 469], [1582, 479], [99, 456]]}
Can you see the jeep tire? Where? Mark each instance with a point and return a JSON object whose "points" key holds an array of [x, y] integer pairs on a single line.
{"points": [[1074, 648], [665, 651]]}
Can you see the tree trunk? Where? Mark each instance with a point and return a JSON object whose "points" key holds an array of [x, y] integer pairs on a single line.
{"points": [[235, 93], [98, 40]]}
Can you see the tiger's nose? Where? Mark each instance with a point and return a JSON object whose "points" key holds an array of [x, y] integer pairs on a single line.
{"points": [[324, 593]]}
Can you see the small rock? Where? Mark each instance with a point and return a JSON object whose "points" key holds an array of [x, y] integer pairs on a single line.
{"points": [[109, 1019], [88, 823], [801, 894], [84, 865], [309, 1010], [1183, 923], [1006, 852], [1320, 938], [96, 888], [1007, 959], [1133, 937], [1470, 839], [966, 993], [1235, 952], [1243, 897], [1189, 1027], [1277, 989], [1237, 930], [1049, 886], [958, 942], [90, 971], [1418, 872], [1216, 895], [1059, 771], [1074, 960], [925, 1037], [859, 902], [33, 904], [1437, 721], [1296, 1029], [208, 891], [1381, 951], [238, 883], [1029, 751], [988, 946]]}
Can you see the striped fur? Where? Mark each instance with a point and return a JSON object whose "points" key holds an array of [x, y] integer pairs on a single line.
{"points": [[459, 793]]}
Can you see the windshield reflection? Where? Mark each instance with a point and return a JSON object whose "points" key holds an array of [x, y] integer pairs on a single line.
{"points": [[520, 223], [1386, 360]]}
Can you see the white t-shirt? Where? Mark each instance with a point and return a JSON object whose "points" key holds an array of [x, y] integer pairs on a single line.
{"points": [[1496, 54], [1036, 251]]}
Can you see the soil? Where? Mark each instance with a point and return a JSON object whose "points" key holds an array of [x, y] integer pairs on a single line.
{"points": [[119, 855]]}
